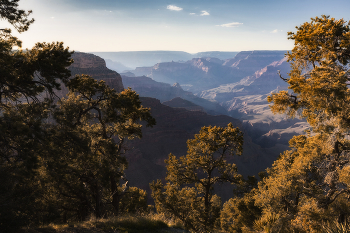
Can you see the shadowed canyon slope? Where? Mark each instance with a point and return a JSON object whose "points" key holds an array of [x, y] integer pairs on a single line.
{"points": [[147, 87], [174, 127], [89, 64], [85, 63]]}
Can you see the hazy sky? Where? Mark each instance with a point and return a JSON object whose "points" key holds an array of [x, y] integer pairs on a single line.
{"points": [[180, 25]]}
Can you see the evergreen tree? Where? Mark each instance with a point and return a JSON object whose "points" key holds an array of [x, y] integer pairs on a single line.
{"points": [[307, 185], [27, 82], [58, 160], [189, 191], [92, 125]]}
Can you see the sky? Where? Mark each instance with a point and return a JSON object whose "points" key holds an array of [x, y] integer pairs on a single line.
{"points": [[174, 25]]}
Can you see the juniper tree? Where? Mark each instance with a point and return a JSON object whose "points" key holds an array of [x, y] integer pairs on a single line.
{"points": [[92, 124], [26, 79], [189, 192], [308, 184]]}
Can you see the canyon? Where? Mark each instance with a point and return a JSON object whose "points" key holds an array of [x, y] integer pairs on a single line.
{"points": [[182, 109]]}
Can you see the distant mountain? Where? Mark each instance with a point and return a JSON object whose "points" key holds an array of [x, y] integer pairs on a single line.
{"points": [[199, 74], [216, 54], [147, 87], [240, 85], [135, 59], [247, 100], [116, 66], [262, 82]]}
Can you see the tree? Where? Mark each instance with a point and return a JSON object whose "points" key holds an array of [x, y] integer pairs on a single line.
{"points": [[57, 157], [27, 82], [189, 192], [319, 75], [240, 212], [92, 126], [16, 17], [307, 184]]}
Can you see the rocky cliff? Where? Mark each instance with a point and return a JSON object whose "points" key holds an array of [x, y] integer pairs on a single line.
{"points": [[85, 63], [95, 66]]}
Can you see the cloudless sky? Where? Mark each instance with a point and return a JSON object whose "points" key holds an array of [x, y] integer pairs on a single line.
{"points": [[178, 25]]}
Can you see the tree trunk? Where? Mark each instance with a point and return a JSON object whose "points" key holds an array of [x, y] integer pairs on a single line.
{"points": [[115, 195]]}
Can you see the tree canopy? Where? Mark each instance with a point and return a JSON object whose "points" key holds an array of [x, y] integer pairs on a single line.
{"points": [[189, 191], [319, 75], [307, 185], [60, 159]]}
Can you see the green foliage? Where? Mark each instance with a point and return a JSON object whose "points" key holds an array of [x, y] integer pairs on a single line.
{"points": [[189, 191], [28, 79], [63, 159], [16, 17], [92, 125]]}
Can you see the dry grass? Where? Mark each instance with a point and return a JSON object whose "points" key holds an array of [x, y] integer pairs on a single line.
{"points": [[123, 224]]}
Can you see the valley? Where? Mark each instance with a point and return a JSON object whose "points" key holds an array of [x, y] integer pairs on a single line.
{"points": [[237, 87], [181, 110]]}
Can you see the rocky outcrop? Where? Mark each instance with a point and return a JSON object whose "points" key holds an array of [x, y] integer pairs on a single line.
{"points": [[85, 63]]}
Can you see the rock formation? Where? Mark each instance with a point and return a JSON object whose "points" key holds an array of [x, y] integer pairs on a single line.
{"points": [[199, 74], [85, 63]]}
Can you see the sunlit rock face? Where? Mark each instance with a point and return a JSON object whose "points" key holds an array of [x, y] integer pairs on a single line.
{"points": [[85, 63]]}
